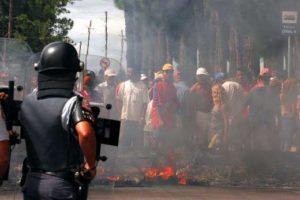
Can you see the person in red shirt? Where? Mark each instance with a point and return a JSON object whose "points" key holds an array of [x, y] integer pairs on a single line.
{"points": [[165, 105], [88, 92]]}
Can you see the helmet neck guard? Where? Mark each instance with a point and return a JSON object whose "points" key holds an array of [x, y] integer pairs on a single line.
{"points": [[56, 85]]}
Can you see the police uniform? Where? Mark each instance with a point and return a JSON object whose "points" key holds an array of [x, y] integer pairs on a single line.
{"points": [[48, 117]]}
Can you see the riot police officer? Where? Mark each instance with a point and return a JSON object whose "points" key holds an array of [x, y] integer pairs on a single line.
{"points": [[58, 131]]}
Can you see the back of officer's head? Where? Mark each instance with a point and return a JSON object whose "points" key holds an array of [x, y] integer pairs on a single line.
{"points": [[59, 57], [57, 69]]}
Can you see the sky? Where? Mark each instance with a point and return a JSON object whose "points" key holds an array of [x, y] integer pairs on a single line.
{"points": [[81, 12]]}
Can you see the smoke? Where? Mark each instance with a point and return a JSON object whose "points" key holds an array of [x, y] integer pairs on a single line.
{"points": [[211, 34]]}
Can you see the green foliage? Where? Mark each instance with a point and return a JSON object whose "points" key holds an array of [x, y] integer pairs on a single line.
{"points": [[119, 4], [37, 22]]}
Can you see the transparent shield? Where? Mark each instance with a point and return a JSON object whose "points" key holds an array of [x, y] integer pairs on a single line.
{"points": [[92, 62], [15, 66], [14, 62]]}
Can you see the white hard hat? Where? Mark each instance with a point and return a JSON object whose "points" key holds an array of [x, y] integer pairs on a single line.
{"points": [[143, 77], [202, 71], [109, 72]]}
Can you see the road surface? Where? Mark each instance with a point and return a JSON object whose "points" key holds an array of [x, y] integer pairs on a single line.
{"points": [[177, 193]]}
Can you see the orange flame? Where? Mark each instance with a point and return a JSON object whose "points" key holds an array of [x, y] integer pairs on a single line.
{"points": [[113, 178], [167, 173], [152, 173]]}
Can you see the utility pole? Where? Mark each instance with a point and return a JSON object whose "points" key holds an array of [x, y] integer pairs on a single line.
{"points": [[79, 50], [289, 57], [122, 46], [88, 44], [80, 83], [10, 18], [106, 34]]}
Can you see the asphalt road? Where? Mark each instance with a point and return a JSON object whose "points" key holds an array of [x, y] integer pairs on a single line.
{"points": [[178, 192]]}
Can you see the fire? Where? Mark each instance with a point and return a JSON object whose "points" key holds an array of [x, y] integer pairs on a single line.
{"points": [[182, 176], [152, 173], [113, 178], [167, 173]]}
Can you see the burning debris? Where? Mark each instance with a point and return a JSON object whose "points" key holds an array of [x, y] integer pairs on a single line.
{"points": [[213, 170]]}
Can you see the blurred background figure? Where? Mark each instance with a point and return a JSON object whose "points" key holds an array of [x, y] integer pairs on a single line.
{"points": [[288, 99], [219, 78], [236, 118], [133, 99], [264, 113], [165, 107], [89, 92], [100, 74], [106, 92], [183, 121], [200, 106], [145, 80], [219, 119], [242, 80], [150, 140]]}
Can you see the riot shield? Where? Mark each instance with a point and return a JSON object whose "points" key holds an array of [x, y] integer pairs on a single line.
{"points": [[15, 79], [14, 62], [93, 62], [107, 124]]}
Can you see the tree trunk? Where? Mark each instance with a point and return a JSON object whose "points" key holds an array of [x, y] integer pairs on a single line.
{"points": [[129, 24]]}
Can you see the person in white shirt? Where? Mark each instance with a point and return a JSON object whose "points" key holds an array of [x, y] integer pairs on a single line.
{"points": [[106, 91], [133, 96]]}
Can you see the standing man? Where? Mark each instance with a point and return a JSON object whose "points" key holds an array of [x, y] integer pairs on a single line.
{"points": [[264, 113], [165, 107], [58, 131], [201, 104], [133, 97], [106, 91]]}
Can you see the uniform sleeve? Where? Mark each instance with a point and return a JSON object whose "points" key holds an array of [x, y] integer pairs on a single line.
{"points": [[73, 112], [80, 114]]}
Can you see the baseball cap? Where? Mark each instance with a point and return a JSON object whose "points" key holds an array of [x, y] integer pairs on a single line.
{"points": [[143, 77], [167, 67], [202, 71], [219, 76], [109, 72]]}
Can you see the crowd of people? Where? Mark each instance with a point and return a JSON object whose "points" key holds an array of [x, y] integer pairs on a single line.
{"points": [[215, 113]]}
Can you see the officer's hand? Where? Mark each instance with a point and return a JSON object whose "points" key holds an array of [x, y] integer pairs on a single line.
{"points": [[3, 96], [88, 172], [13, 133]]}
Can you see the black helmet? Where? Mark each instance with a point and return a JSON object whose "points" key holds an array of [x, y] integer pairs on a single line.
{"points": [[59, 56]]}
